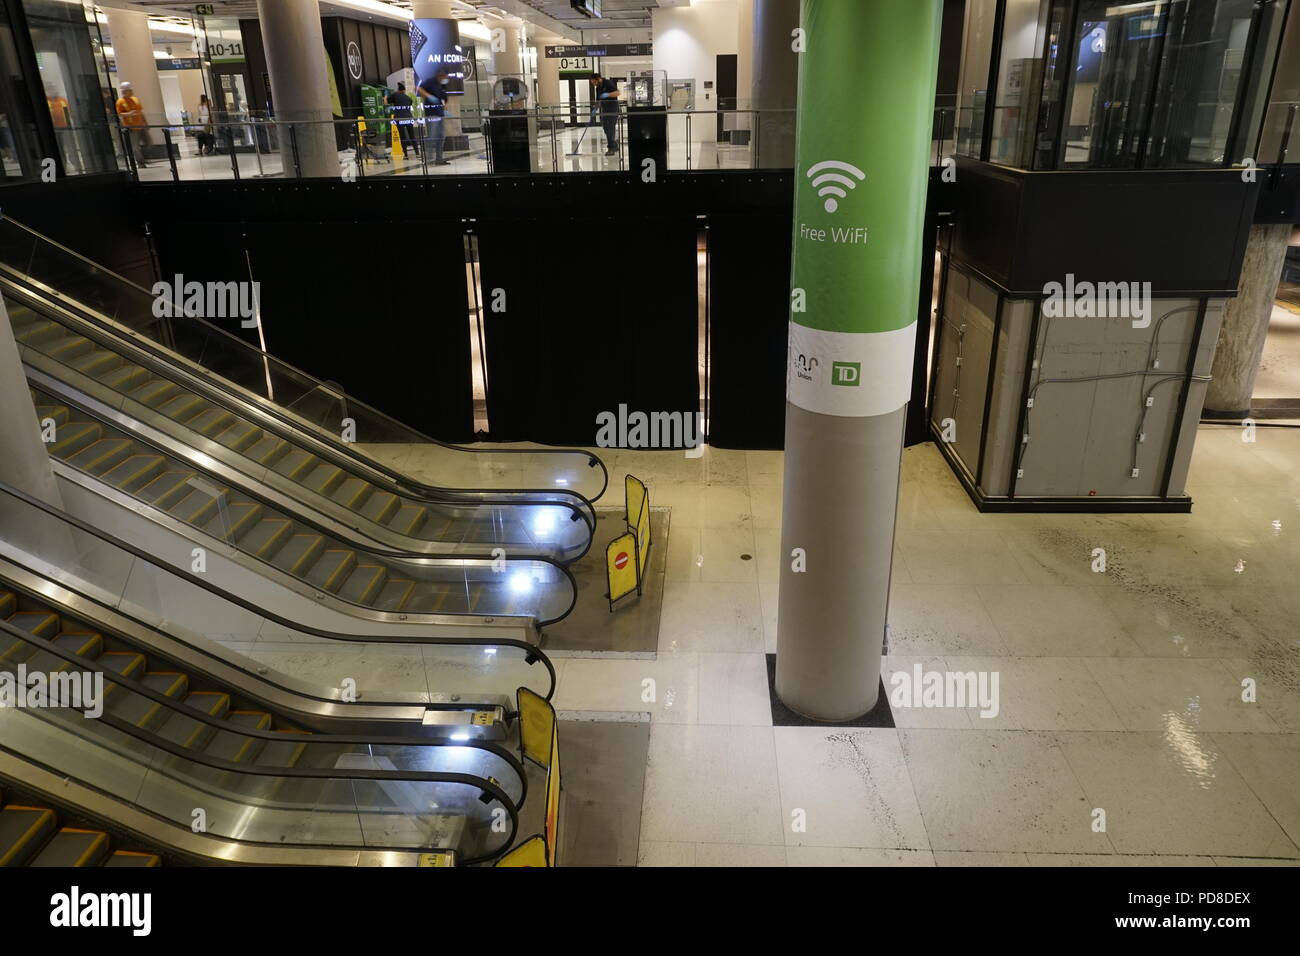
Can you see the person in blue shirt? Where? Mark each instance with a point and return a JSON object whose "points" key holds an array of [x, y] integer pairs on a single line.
{"points": [[434, 95], [607, 94]]}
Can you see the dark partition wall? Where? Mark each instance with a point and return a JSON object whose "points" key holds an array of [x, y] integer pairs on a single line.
{"points": [[749, 299], [392, 332], [597, 313]]}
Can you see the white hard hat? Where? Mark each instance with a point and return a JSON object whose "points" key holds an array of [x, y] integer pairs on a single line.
{"points": [[124, 85]]}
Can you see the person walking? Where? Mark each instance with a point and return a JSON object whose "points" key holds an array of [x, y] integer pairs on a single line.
{"points": [[434, 95], [207, 142], [400, 103], [130, 113], [607, 94]]}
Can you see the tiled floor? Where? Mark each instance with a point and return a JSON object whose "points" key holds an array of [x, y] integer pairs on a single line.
{"points": [[1120, 692], [1121, 735]]}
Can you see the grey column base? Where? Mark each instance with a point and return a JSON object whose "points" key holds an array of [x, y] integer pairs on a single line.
{"points": [[839, 506], [1220, 414]]}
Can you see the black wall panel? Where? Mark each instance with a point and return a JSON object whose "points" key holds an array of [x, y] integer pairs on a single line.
{"points": [[392, 332], [749, 307], [598, 313]]}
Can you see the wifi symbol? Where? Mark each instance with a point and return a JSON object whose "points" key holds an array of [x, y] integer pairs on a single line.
{"points": [[824, 181]]}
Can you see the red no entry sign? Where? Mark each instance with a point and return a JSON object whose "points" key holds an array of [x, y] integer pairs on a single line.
{"points": [[620, 561]]}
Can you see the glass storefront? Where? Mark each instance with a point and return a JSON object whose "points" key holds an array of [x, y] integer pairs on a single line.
{"points": [[1101, 84]]}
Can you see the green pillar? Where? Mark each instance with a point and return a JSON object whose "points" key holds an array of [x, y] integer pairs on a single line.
{"points": [[866, 103]]}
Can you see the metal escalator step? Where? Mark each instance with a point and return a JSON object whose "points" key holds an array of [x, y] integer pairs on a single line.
{"points": [[33, 330], [331, 569], [8, 603], [123, 858], [22, 830], [155, 392], [68, 347], [295, 464], [298, 553], [239, 435], [96, 362], [74, 437], [198, 505], [363, 583], [41, 623], [235, 746], [82, 643], [394, 595], [476, 592], [233, 521], [56, 413], [267, 450], [427, 600], [141, 711], [136, 471], [286, 753], [73, 846], [167, 489], [409, 519], [188, 732], [323, 479], [380, 506], [184, 407], [127, 377], [101, 455], [122, 663], [351, 493], [211, 421], [267, 537]]}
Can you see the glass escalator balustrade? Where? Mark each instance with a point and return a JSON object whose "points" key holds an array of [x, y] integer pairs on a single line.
{"points": [[395, 813], [456, 586], [544, 530]]}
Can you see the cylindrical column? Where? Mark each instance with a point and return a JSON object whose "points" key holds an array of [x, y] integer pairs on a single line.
{"points": [[1245, 324], [744, 64], [775, 87], [860, 190], [548, 81], [300, 89], [507, 60], [24, 459], [442, 10], [136, 64]]}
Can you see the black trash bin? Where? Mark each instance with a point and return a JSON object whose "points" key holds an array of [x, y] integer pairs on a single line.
{"points": [[647, 138]]}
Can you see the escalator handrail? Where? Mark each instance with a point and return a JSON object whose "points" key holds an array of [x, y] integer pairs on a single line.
{"points": [[366, 550], [530, 650], [302, 773], [394, 475], [312, 739], [214, 391]]}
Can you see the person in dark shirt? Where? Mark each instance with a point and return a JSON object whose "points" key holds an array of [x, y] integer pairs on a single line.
{"points": [[434, 95], [607, 94], [400, 104]]}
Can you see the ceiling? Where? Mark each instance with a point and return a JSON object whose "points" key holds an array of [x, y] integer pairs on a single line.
{"points": [[546, 14]]}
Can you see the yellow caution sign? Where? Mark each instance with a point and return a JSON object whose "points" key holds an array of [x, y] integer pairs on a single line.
{"points": [[553, 802], [643, 537], [536, 726], [621, 567], [532, 852], [634, 495]]}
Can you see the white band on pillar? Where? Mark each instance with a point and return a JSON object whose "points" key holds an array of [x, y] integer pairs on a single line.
{"points": [[850, 374]]}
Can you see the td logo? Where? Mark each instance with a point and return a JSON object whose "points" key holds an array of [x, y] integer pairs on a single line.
{"points": [[846, 373]]}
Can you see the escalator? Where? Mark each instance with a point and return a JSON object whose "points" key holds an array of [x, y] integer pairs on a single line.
{"points": [[159, 729], [159, 485], [100, 334]]}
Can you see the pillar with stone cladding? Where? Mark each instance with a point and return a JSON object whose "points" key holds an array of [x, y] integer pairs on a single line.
{"points": [[866, 82]]}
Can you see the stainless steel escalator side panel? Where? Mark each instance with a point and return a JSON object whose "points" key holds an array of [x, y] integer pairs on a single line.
{"points": [[194, 847], [314, 706], [208, 455], [363, 622]]}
